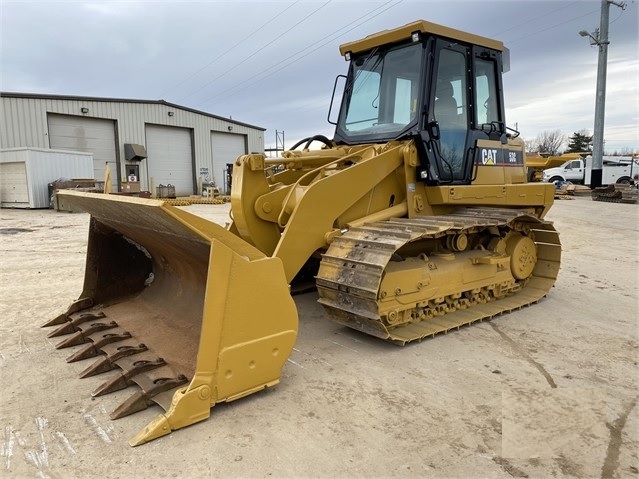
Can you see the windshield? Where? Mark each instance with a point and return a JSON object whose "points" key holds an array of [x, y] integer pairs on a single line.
{"points": [[381, 97]]}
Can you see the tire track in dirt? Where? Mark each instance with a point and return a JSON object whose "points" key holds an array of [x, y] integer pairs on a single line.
{"points": [[518, 349], [611, 463]]}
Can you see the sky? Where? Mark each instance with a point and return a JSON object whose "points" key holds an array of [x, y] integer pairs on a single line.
{"points": [[274, 64]]}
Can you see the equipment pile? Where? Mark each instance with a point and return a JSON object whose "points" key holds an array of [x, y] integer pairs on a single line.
{"points": [[616, 194]]}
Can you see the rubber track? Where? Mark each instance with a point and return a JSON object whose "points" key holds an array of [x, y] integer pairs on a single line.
{"points": [[357, 259]]}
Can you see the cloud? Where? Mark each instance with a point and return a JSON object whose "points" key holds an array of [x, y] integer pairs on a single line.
{"points": [[273, 64]]}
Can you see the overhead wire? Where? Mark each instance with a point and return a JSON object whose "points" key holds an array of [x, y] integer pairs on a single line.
{"points": [[618, 16], [551, 27], [253, 81], [530, 20], [330, 38], [237, 88], [303, 107], [228, 50], [281, 113], [315, 105], [256, 52]]}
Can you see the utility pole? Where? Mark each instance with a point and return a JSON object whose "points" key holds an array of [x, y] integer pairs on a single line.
{"points": [[279, 140], [600, 38], [279, 143]]}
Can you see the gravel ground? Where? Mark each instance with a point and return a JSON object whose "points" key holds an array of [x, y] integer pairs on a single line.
{"points": [[547, 391]]}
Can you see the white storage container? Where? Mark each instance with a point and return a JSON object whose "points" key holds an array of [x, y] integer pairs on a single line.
{"points": [[25, 174]]}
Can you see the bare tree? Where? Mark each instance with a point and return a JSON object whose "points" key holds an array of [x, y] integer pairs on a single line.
{"points": [[548, 142], [625, 151]]}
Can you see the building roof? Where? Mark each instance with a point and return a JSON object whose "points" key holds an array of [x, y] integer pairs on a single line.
{"points": [[46, 96]]}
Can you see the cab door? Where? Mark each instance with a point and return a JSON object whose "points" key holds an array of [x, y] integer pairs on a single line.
{"points": [[450, 112], [574, 171]]}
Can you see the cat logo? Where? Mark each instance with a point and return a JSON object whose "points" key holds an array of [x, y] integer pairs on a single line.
{"points": [[488, 156]]}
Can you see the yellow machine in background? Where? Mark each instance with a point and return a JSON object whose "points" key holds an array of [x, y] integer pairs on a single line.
{"points": [[537, 163], [415, 219]]}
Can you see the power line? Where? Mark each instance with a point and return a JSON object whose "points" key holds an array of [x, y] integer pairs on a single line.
{"points": [[329, 39], [264, 74], [256, 52], [239, 87], [551, 27], [230, 49], [530, 20], [306, 107]]}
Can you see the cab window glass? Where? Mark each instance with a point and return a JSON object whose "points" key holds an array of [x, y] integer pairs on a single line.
{"points": [[405, 101], [450, 111], [362, 112], [487, 109], [384, 92]]}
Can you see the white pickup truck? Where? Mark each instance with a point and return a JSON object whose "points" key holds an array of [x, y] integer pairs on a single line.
{"points": [[615, 169]]}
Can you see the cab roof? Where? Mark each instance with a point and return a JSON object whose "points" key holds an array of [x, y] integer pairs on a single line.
{"points": [[404, 33]]}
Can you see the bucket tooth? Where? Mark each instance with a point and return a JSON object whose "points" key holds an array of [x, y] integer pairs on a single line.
{"points": [[77, 305], [143, 398], [107, 363], [93, 349], [71, 326], [123, 380], [67, 328], [81, 337]]}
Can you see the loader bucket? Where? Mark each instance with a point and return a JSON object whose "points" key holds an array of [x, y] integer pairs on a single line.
{"points": [[177, 305]]}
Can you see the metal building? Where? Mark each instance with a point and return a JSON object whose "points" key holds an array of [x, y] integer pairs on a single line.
{"points": [[183, 147]]}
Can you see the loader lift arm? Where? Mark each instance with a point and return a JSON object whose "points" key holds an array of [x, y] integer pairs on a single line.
{"points": [[308, 211]]}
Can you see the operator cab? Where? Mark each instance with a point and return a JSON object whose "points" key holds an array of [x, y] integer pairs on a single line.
{"points": [[439, 86]]}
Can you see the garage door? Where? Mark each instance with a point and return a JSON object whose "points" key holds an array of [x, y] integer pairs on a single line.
{"points": [[170, 157], [13, 185], [226, 147], [78, 133]]}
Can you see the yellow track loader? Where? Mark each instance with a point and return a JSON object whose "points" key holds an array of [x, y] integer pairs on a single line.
{"points": [[415, 219]]}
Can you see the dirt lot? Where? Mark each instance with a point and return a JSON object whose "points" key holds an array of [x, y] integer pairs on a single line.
{"points": [[547, 391]]}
